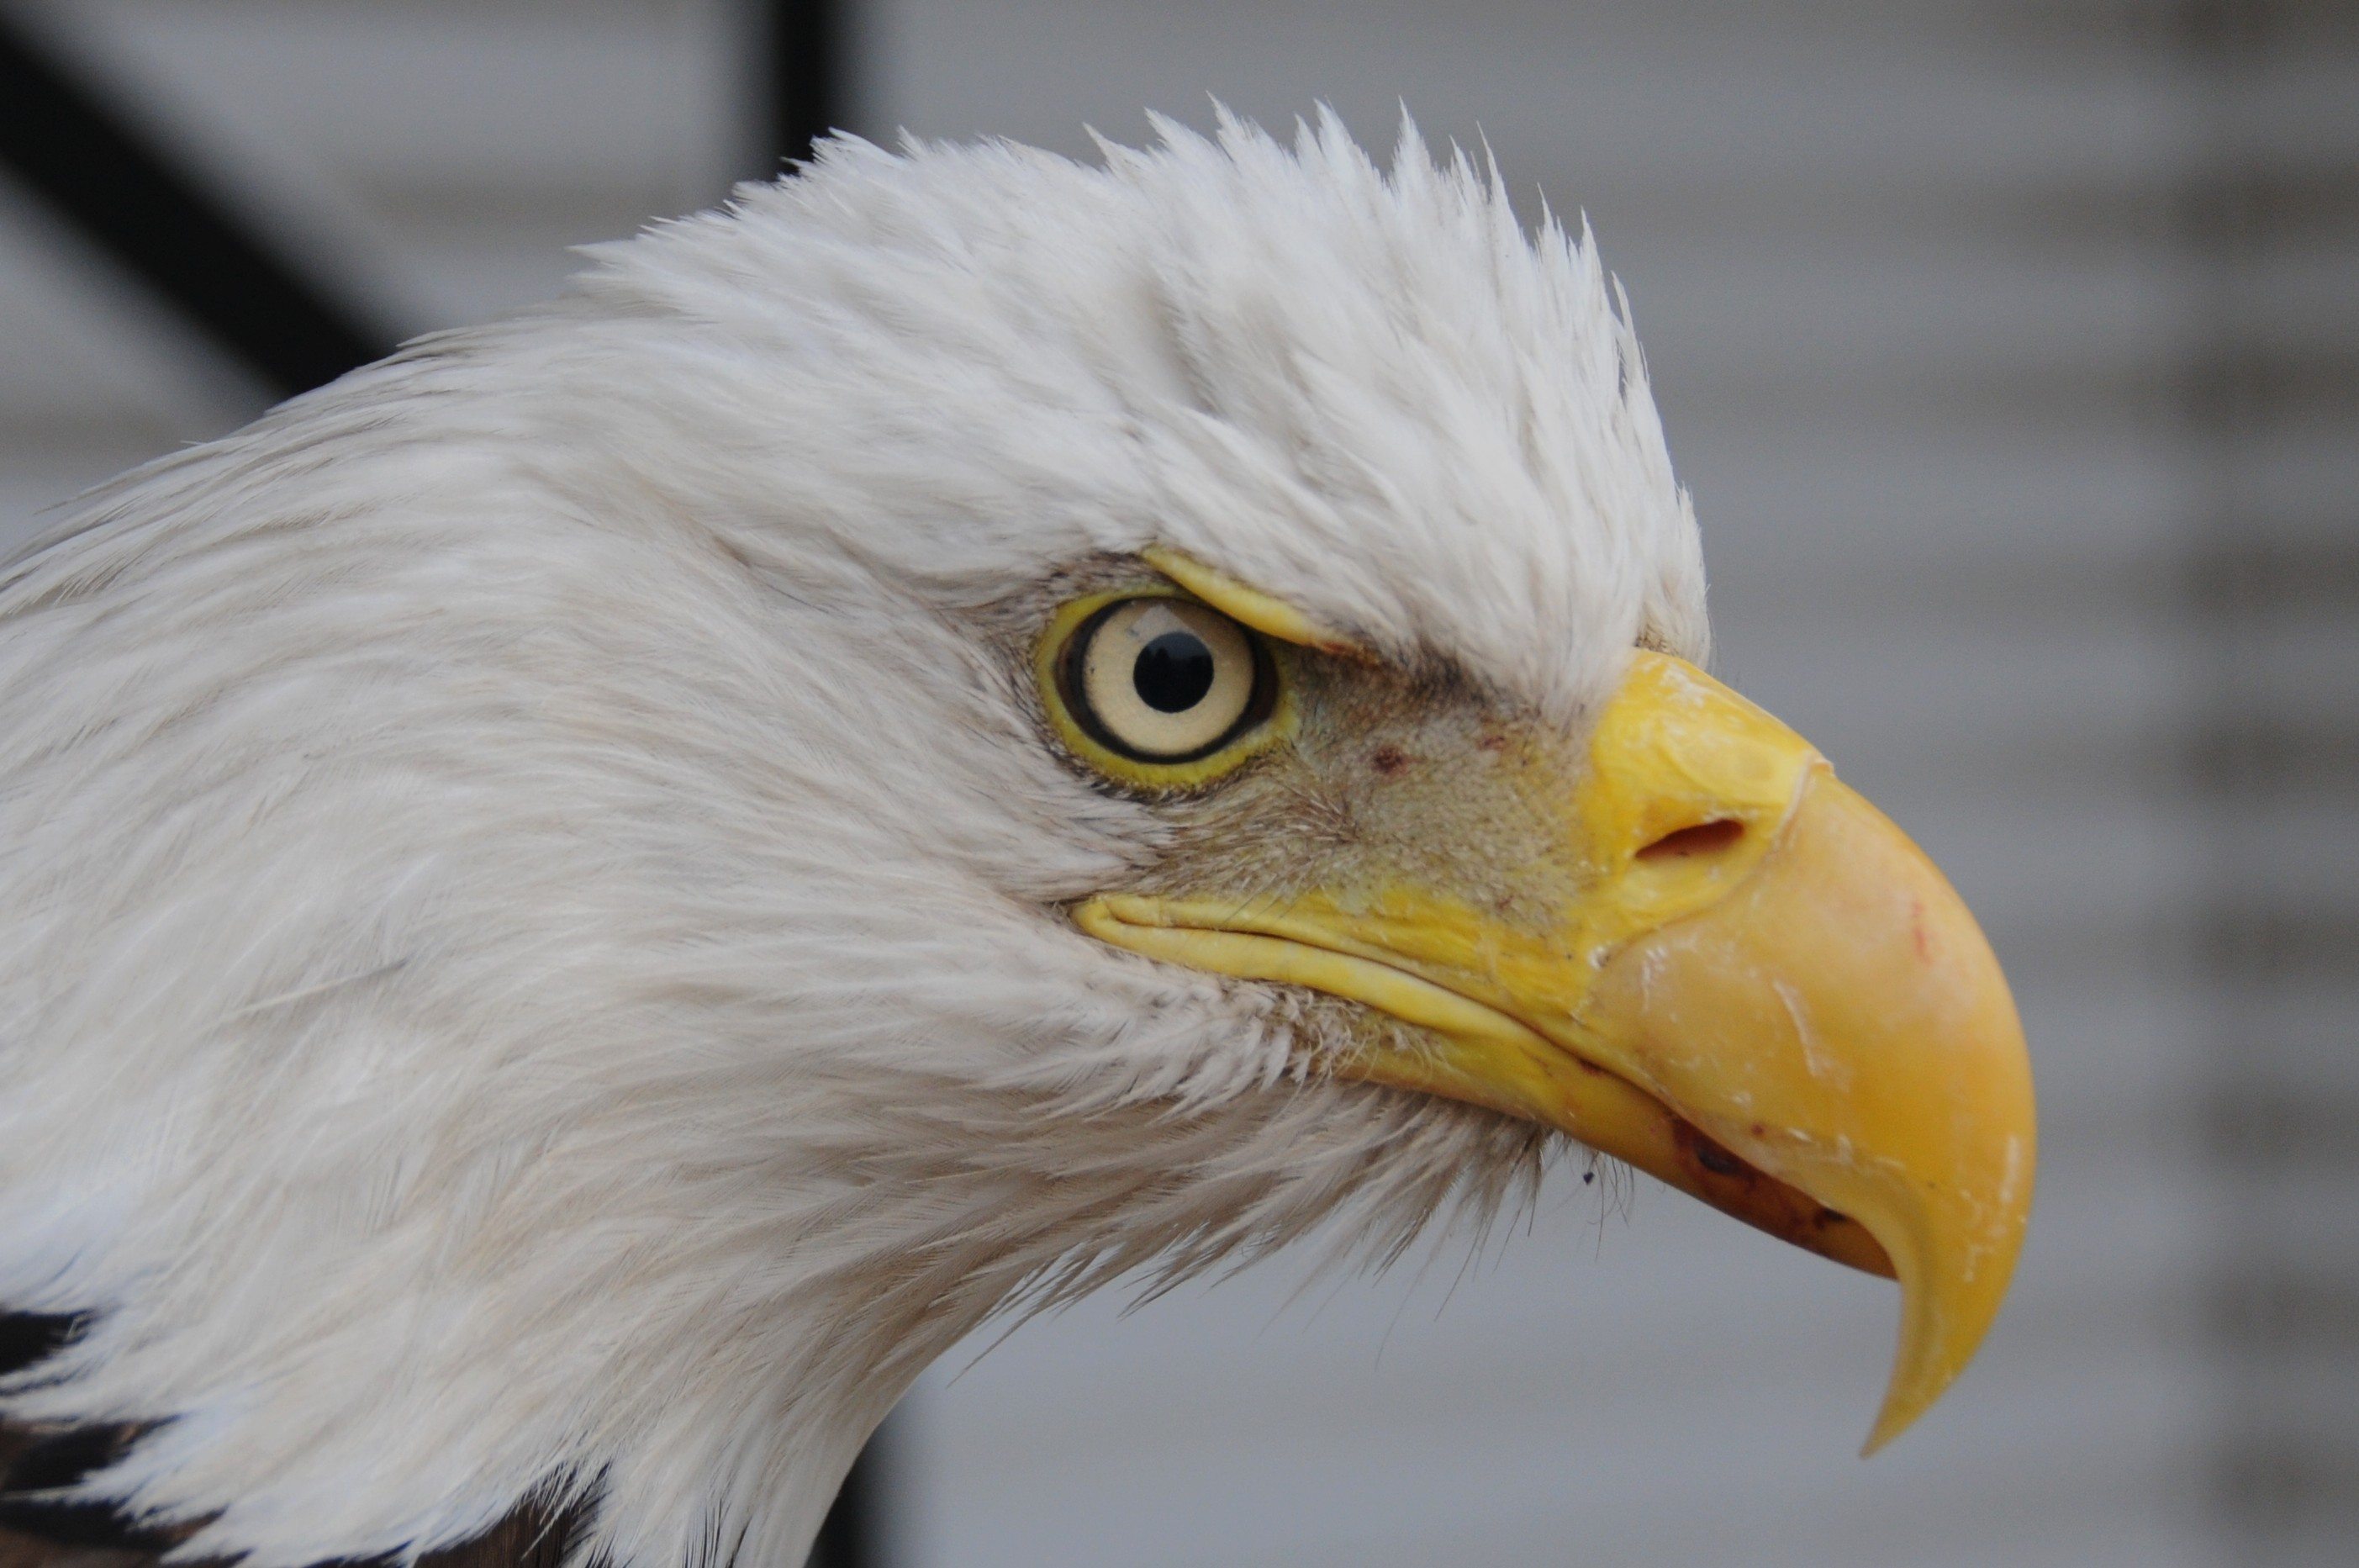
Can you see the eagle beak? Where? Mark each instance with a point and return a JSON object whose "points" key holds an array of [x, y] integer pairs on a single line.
{"points": [[1747, 981]]}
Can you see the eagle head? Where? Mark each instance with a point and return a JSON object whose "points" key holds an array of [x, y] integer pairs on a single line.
{"points": [[577, 905]]}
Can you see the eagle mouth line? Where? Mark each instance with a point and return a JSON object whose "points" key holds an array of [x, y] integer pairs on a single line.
{"points": [[1672, 1148]]}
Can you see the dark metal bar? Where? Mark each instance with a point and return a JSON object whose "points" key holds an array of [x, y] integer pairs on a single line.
{"points": [[159, 219], [806, 45], [850, 1536], [807, 96]]}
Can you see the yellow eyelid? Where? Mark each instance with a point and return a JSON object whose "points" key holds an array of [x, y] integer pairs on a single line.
{"points": [[1248, 605], [1158, 777]]}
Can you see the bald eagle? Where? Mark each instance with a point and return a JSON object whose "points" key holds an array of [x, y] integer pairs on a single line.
{"points": [[577, 905]]}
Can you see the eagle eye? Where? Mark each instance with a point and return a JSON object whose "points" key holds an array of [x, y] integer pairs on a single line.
{"points": [[1158, 691], [1163, 680]]}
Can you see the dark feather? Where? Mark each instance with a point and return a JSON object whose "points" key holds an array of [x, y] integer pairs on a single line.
{"points": [[36, 1534], [27, 1337], [36, 1464]]}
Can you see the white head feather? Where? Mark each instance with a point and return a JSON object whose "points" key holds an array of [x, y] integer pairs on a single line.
{"points": [[533, 959]]}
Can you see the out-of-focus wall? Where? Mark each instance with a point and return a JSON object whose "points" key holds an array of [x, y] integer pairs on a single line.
{"points": [[2011, 353]]}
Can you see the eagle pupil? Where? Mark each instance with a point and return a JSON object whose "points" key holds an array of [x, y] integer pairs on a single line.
{"points": [[1173, 672]]}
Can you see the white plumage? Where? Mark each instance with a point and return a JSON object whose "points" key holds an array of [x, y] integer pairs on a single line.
{"points": [[531, 881]]}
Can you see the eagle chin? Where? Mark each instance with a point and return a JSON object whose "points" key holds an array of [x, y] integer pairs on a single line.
{"points": [[577, 905]]}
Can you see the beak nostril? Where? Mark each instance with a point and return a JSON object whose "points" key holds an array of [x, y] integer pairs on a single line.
{"points": [[1703, 838]]}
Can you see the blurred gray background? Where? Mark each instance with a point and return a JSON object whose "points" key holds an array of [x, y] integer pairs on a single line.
{"points": [[2012, 353]]}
